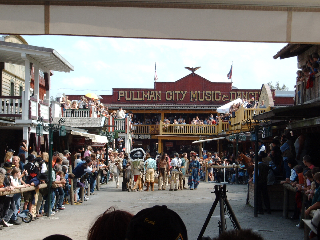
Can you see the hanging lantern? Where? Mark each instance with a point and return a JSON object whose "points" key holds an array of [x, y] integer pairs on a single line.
{"points": [[62, 131], [39, 130]]}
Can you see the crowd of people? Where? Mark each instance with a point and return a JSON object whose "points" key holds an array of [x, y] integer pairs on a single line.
{"points": [[308, 71], [86, 166], [20, 172], [94, 106]]}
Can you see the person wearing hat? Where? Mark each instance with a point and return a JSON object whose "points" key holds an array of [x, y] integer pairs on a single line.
{"points": [[194, 169], [157, 223]]}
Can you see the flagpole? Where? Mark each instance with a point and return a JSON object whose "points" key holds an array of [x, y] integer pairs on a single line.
{"points": [[155, 72], [231, 72]]}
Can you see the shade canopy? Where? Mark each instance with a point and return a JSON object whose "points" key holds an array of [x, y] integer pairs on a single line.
{"points": [[225, 108]]}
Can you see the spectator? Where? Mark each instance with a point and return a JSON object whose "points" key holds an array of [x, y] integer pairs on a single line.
{"points": [[111, 225], [307, 162], [120, 113], [78, 160], [88, 152], [8, 201], [156, 223], [316, 198], [23, 149]]}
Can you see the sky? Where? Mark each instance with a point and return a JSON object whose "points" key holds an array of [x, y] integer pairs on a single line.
{"points": [[102, 63]]}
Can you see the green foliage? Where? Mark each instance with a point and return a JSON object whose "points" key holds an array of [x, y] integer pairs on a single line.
{"points": [[277, 86]]}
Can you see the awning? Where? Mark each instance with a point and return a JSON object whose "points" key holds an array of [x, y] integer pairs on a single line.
{"points": [[208, 140], [298, 112], [225, 108], [93, 137], [48, 58]]}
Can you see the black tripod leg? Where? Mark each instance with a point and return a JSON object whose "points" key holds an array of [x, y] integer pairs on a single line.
{"points": [[214, 205], [233, 216]]}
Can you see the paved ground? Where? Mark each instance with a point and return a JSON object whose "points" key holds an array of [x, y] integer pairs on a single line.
{"points": [[192, 206]]}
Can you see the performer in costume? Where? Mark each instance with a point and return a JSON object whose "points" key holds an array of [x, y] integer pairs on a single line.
{"points": [[115, 167], [162, 166], [137, 155], [194, 170], [175, 170], [182, 176], [150, 167]]}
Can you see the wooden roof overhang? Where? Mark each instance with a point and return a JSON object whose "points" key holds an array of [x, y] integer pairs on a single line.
{"points": [[294, 113]]}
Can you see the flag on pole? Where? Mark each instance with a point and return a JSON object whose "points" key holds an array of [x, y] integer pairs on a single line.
{"points": [[155, 72], [229, 75]]}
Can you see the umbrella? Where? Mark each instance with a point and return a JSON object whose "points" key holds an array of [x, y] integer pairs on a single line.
{"points": [[92, 95]]}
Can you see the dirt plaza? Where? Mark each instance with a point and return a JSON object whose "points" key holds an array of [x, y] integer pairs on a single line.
{"points": [[192, 206]]}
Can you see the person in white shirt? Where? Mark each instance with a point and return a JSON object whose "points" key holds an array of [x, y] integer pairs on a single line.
{"points": [[175, 171], [78, 160], [120, 113]]}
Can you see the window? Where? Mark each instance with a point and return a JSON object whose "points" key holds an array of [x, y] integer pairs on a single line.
{"points": [[12, 89], [20, 90]]}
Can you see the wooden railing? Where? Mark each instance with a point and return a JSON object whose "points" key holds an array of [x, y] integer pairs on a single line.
{"points": [[244, 116], [188, 129], [145, 129], [11, 106], [76, 113]]}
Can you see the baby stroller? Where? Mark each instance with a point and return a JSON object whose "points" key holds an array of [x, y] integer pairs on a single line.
{"points": [[25, 215]]}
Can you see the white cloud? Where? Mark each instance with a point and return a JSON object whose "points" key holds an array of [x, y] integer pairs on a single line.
{"points": [[84, 45], [78, 82], [99, 65]]}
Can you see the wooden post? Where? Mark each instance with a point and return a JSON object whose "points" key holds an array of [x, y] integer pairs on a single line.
{"points": [[82, 194], [200, 150], [98, 179], [71, 188], [160, 127], [160, 148], [88, 189], [207, 172], [285, 202]]}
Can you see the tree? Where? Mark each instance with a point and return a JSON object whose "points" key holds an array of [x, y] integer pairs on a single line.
{"points": [[277, 86]]}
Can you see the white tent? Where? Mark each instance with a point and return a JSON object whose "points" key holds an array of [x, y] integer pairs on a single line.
{"points": [[225, 108]]}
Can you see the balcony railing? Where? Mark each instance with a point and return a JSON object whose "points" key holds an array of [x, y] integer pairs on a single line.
{"points": [[190, 129], [76, 113], [145, 129], [312, 94], [118, 125], [243, 117], [11, 106]]}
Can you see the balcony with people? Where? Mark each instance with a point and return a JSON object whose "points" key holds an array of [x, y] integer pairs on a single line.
{"points": [[89, 112]]}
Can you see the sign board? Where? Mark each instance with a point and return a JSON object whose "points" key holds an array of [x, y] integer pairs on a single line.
{"points": [[141, 136]]}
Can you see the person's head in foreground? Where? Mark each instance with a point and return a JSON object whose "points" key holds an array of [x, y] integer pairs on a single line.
{"points": [[57, 237], [240, 234], [156, 223], [111, 225]]}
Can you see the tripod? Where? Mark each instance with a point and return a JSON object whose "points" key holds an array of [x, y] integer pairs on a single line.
{"points": [[225, 207]]}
